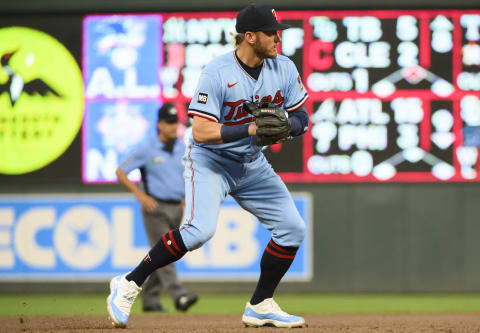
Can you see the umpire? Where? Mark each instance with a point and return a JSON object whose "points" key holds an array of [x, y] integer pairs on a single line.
{"points": [[162, 199]]}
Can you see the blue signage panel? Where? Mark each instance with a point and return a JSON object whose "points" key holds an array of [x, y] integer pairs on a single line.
{"points": [[122, 58], [94, 237], [110, 131]]}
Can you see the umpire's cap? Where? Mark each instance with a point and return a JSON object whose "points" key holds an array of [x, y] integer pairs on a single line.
{"points": [[258, 18], [168, 113]]}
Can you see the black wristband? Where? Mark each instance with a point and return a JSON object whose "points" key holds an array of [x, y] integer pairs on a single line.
{"points": [[298, 120], [233, 133], [295, 126]]}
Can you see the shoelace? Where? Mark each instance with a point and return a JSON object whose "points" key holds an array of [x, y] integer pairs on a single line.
{"points": [[276, 307], [128, 297]]}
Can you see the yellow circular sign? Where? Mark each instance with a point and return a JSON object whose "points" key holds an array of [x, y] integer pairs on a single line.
{"points": [[41, 99]]}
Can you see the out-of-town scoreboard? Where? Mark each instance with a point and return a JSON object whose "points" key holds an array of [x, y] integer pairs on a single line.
{"points": [[394, 95]]}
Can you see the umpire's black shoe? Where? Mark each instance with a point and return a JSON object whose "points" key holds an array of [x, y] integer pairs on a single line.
{"points": [[183, 303], [154, 308]]}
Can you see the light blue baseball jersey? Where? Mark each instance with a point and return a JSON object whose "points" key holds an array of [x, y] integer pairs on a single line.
{"points": [[162, 171], [224, 85]]}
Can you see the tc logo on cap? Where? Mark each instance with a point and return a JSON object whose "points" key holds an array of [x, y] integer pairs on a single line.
{"points": [[274, 14], [258, 18]]}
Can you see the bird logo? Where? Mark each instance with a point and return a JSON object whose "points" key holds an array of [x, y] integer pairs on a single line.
{"points": [[16, 85], [41, 99]]}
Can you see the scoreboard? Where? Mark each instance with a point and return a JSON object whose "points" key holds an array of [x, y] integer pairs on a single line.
{"points": [[394, 94]]}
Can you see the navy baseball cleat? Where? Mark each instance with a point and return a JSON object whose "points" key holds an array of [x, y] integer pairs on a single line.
{"points": [[183, 303], [268, 313], [154, 308], [121, 298]]}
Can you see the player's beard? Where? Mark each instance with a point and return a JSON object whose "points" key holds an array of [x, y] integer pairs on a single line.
{"points": [[263, 52]]}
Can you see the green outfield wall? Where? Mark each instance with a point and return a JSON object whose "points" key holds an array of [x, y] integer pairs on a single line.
{"points": [[396, 237]]}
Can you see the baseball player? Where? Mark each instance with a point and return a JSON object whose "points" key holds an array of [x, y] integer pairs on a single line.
{"points": [[162, 199], [239, 106]]}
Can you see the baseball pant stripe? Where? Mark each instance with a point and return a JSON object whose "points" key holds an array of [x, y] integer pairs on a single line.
{"points": [[193, 183]]}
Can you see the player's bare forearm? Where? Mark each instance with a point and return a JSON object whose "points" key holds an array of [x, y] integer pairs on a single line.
{"points": [[252, 129], [206, 131]]}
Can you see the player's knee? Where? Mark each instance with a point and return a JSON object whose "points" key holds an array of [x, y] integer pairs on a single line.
{"points": [[291, 234], [298, 232], [199, 241], [197, 237]]}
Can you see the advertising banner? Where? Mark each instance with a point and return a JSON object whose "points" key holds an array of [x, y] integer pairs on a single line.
{"points": [[94, 237]]}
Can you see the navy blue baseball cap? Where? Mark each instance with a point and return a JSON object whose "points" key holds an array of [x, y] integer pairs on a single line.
{"points": [[258, 18], [168, 113]]}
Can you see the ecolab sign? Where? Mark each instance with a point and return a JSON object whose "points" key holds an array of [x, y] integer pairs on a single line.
{"points": [[61, 235], [94, 237]]}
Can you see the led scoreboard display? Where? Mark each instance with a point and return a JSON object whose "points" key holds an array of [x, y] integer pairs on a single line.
{"points": [[394, 95]]}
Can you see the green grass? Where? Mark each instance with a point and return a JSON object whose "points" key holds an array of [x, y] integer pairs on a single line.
{"points": [[32, 305]]}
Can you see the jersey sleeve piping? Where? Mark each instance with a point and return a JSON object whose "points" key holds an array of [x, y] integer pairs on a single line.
{"points": [[202, 114], [298, 104]]}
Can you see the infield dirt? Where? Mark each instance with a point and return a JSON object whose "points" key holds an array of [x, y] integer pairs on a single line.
{"points": [[408, 323]]}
